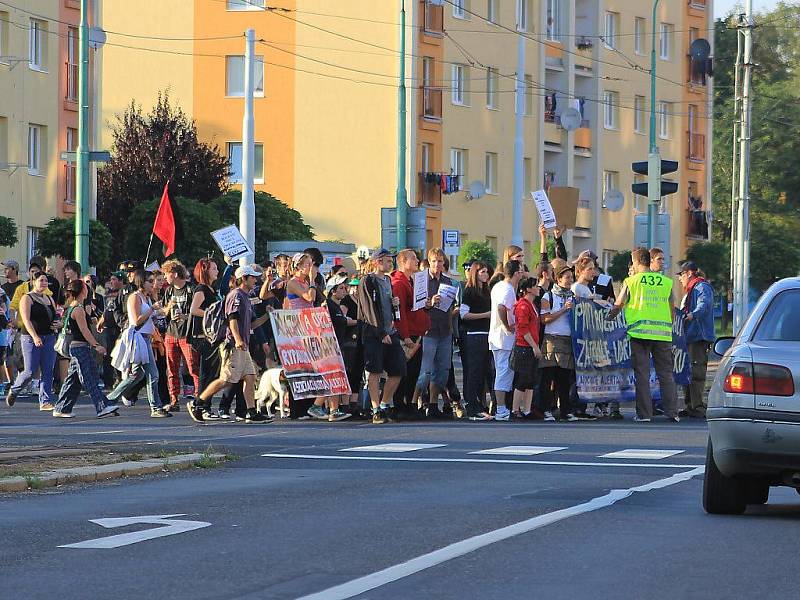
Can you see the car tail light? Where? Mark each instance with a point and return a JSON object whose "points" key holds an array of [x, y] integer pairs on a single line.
{"points": [[760, 379]]}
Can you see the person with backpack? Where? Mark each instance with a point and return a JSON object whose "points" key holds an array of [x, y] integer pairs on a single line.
{"points": [[204, 298]]}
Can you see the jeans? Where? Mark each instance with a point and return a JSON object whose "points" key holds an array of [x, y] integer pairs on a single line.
{"points": [[662, 360], [42, 357], [475, 352], [135, 375], [82, 373], [177, 349], [695, 392], [437, 355]]}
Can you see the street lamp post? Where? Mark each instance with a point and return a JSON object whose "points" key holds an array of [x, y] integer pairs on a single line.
{"points": [[653, 157], [83, 153], [401, 199]]}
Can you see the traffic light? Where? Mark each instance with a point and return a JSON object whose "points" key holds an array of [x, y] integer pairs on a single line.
{"points": [[667, 187]]}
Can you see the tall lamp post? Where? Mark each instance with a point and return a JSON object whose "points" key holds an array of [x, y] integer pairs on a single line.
{"points": [[401, 199], [653, 157]]}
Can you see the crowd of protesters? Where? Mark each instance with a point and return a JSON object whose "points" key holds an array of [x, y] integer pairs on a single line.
{"points": [[509, 324]]}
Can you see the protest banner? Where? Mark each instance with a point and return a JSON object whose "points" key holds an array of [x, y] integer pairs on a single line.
{"points": [[420, 289], [546, 214], [231, 242], [681, 365], [309, 352]]}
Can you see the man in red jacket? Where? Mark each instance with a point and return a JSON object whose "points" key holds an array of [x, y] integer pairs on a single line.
{"points": [[412, 325]]}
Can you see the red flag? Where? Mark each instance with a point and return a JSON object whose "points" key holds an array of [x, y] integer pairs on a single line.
{"points": [[164, 226]]}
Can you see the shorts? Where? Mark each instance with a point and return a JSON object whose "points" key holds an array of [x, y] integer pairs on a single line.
{"points": [[526, 368], [380, 357], [503, 375], [236, 364]]}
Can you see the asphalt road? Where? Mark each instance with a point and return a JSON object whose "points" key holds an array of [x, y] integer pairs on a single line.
{"points": [[321, 516]]}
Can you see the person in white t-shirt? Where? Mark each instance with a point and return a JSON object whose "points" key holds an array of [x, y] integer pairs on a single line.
{"points": [[501, 333]]}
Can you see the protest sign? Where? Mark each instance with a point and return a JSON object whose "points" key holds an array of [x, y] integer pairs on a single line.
{"points": [[546, 214], [564, 201], [153, 267], [448, 294], [231, 241], [309, 352], [420, 289]]}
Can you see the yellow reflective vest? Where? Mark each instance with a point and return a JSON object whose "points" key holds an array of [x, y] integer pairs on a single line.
{"points": [[648, 311]]}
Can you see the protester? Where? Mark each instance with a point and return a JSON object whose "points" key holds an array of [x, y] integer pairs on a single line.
{"points": [[657, 260], [525, 355], [560, 248], [26, 286], [141, 310], [107, 325], [383, 350], [511, 252], [316, 278], [647, 300], [300, 289], [336, 288], [6, 339], [82, 372], [355, 373], [205, 273], [697, 305], [501, 334], [476, 311]]}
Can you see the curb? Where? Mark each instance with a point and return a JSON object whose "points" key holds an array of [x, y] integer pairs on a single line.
{"points": [[102, 472]]}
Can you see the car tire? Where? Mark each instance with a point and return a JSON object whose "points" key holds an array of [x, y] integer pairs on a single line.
{"points": [[721, 495], [757, 491]]}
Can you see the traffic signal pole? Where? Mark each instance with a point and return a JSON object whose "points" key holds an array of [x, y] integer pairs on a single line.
{"points": [[653, 158], [82, 183], [401, 196], [247, 207]]}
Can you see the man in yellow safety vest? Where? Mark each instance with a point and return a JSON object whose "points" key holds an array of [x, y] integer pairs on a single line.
{"points": [[647, 299]]}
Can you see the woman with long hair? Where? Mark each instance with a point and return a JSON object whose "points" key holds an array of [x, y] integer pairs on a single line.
{"points": [[300, 289], [511, 252], [37, 339], [206, 273], [475, 311], [525, 356], [82, 371]]}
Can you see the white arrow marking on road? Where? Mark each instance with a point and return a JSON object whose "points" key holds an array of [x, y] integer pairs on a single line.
{"points": [[171, 527]]}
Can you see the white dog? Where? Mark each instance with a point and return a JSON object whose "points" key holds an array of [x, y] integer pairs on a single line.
{"points": [[272, 389]]}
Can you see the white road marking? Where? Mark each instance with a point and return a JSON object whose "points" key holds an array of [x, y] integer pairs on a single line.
{"points": [[521, 450], [170, 527], [99, 432], [495, 461], [392, 448], [642, 454], [457, 549]]}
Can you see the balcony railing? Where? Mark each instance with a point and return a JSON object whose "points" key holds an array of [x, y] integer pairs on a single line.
{"points": [[72, 82], [701, 4], [434, 19], [428, 192], [697, 146], [432, 103], [697, 223], [697, 71], [70, 177]]}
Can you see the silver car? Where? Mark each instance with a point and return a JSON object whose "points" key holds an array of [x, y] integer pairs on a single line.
{"points": [[754, 406]]}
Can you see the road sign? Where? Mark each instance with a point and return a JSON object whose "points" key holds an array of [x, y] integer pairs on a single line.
{"points": [[170, 527], [451, 237], [662, 239], [415, 228]]}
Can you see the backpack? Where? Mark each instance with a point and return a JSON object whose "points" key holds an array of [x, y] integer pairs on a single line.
{"points": [[214, 323]]}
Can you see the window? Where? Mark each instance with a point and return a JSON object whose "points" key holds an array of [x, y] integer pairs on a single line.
{"points": [[779, 322], [426, 153], [458, 164], [611, 110], [491, 11], [245, 5], [610, 35], [235, 158], [528, 105], [234, 76], [639, 34], [4, 20], [666, 32], [492, 79], [33, 242], [491, 173], [527, 177], [3, 141], [664, 109], [491, 241], [610, 182], [638, 114], [72, 64], [460, 8], [37, 45], [553, 19], [524, 12], [459, 84], [70, 169], [35, 143]]}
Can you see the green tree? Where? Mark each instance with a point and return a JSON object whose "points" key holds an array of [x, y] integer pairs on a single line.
{"points": [[473, 250], [58, 239], [149, 150], [8, 232], [618, 269]]}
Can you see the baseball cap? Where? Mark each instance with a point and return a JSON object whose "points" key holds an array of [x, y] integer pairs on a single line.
{"points": [[688, 265], [10, 262], [130, 265], [354, 281], [245, 271], [333, 282], [381, 253], [119, 275]]}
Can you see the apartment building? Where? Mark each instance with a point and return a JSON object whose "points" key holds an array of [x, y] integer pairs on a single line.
{"points": [[30, 127]]}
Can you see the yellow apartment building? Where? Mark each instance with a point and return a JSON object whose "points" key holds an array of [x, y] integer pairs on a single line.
{"points": [[30, 66]]}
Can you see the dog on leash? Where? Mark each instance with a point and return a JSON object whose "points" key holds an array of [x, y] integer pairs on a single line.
{"points": [[273, 389]]}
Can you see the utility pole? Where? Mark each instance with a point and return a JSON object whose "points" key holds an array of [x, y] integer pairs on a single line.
{"points": [[519, 147], [653, 158], [247, 208], [741, 287], [401, 199], [82, 183]]}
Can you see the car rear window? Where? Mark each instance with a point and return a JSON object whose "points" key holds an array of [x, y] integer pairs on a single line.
{"points": [[781, 321]]}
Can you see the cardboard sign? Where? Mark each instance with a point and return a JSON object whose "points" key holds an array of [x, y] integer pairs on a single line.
{"points": [[231, 242], [420, 289], [546, 214], [564, 201]]}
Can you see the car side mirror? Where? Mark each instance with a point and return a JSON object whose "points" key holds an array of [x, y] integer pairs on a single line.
{"points": [[722, 345]]}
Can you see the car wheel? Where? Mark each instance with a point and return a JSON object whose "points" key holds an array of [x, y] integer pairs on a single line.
{"points": [[757, 491], [721, 495]]}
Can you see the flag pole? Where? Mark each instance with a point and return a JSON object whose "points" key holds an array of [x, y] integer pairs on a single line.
{"points": [[149, 244]]}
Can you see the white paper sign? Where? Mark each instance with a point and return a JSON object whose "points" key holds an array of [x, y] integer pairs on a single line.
{"points": [[231, 241], [448, 294], [603, 279], [153, 267], [420, 289], [546, 214]]}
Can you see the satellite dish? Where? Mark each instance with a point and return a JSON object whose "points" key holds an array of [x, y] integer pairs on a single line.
{"points": [[476, 190], [700, 50], [614, 201], [362, 252], [571, 119], [97, 37]]}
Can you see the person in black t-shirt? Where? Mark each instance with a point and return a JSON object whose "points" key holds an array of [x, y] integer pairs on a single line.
{"points": [[178, 297]]}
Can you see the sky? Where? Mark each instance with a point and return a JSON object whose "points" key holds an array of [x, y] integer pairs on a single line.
{"points": [[721, 7]]}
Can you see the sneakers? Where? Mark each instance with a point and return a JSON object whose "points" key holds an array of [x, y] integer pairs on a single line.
{"points": [[432, 412], [378, 417], [570, 418], [256, 417], [616, 416], [548, 417], [210, 415], [63, 415], [503, 414], [47, 406], [11, 398], [195, 412], [337, 415], [173, 406], [111, 409], [317, 412], [584, 416], [224, 416], [675, 419], [638, 419], [127, 402], [159, 413]]}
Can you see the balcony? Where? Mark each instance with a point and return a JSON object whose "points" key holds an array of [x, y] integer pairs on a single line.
{"points": [[72, 83], [429, 191], [434, 19], [697, 146], [432, 103], [697, 221], [699, 4], [698, 71]]}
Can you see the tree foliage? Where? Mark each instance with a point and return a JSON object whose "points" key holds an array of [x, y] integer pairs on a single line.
{"points": [[473, 250], [8, 232], [149, 150], [58, 239], [618, 269]]}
